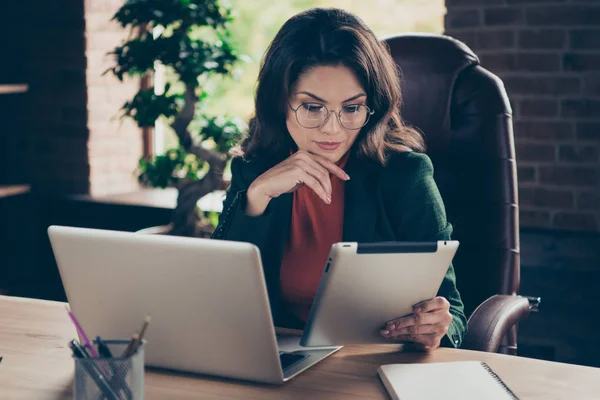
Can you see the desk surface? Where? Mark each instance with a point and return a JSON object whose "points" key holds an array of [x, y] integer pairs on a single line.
{"points": [[37, 365]]}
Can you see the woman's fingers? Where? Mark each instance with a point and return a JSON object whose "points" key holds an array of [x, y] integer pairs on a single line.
{"points": [[439, 329], [320, 173], [419, 319], [438, 303], [325, 163], [312, 182]]}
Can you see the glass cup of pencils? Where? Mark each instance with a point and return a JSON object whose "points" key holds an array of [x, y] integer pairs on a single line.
{"points": [[118, 373]]}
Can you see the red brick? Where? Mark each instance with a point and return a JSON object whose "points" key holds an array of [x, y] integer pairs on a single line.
{"points": [[542, 85], [535, 152], [538, 62], [460, 3], [104, 112], [580, 154], [496, 39], [102, 6], [591, 85], [588, 130], [463, 19], [526, 174], [569, 176], [546, 198], [534, 219], [581, 62], [98, 21], [503, 16], [507, 62], [105, 40], [542, 38], [588, 201], [544, 130], [580, 108], [523, 2], [563, 15], [468, 37], [538, 108], [575, 221], [499, 62], [585, 39]]}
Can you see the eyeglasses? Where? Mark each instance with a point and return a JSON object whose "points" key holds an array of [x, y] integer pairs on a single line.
{"points": [[315, 115]]}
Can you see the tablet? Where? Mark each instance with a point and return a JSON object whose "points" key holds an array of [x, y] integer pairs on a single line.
{"points": [[365, 285]]}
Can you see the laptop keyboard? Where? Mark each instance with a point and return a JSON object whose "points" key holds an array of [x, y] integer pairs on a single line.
{"points": [[289, 359]]}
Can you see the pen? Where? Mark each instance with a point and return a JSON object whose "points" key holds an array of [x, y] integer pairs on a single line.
{"points": [[119, 377], [80, 352], [103, 348]]}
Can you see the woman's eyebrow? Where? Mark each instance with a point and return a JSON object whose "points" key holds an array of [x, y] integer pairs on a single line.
{"points": [[314, 96]]}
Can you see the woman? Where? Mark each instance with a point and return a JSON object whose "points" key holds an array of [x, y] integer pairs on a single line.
{"points": [[328, 159]]}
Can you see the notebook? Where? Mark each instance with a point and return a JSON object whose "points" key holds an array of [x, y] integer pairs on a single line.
{"points": [[464, 380]]}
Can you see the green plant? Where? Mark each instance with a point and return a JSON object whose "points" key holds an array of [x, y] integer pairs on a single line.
{"points": [[191, 39]]}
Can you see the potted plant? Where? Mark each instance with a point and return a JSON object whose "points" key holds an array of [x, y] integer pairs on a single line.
{"points": [[190, 38]]}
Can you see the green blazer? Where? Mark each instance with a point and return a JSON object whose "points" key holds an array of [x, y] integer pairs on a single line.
{"points": [[398, 202]]}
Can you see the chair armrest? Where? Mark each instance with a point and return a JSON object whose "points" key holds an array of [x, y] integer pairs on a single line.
{"points": [[491, 321]]}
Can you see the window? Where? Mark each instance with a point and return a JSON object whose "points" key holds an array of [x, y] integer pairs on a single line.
{"points": [[236, 97]]}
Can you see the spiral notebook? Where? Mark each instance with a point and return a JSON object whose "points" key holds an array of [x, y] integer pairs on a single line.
{"points": [[464, 380]]}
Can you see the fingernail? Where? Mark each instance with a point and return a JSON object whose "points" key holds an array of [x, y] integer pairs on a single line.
{"points": [[329, 200], [418, 309], [347, 177], [385, 332]]}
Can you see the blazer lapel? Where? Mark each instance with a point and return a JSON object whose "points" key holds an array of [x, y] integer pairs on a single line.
{"points": [[360, 207]]}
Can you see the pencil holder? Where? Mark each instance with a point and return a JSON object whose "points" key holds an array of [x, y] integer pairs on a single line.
{"points": [[118, 377]]}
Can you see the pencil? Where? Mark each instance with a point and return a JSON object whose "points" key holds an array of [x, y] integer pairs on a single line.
{"points": [[142, 332], [86, 341], [144, 327], [129, 350]]}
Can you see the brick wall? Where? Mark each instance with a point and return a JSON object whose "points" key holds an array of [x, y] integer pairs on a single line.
{"points": [[79, 145], [547, 52]]}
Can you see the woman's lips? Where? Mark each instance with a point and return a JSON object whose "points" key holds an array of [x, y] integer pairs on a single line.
{"points": [[328, 146]]}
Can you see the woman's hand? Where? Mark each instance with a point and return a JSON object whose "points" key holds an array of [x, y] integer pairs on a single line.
{"points": [[301, 168], [425, 327]]}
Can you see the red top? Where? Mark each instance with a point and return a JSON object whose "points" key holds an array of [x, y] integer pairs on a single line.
{"points": [[315, 226]]}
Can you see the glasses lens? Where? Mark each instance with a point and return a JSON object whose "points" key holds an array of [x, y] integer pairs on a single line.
{"points": [[354, 116], [311, 115]]}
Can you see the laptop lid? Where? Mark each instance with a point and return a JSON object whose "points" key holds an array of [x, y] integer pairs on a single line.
{"points": [[207, 298]]}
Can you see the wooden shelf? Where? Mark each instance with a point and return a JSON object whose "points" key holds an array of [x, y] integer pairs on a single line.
{"points": [[13, 190], [155, 198], [13, 88]]}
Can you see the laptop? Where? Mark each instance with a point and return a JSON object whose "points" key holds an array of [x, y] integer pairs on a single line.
{"points": [[207, 299]]}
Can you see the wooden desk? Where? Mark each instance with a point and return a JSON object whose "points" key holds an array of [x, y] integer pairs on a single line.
{"points": [[37, 365]]}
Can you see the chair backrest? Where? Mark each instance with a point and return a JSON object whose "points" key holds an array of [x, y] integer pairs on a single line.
{"points": [[464, 113]]}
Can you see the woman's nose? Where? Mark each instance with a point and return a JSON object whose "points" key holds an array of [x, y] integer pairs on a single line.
{"points": [[332, 125]]}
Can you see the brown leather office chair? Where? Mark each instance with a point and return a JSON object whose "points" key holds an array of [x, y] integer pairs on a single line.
{"points": [[465, 115]]}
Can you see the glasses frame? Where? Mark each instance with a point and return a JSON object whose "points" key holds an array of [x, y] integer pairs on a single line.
{"points": [[337, 112]]}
